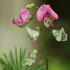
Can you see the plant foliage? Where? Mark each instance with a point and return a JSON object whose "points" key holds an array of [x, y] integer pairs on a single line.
{"points": [[15, 63]]}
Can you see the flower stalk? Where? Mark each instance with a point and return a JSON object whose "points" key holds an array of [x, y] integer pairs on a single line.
{"points": [[45, 45]]}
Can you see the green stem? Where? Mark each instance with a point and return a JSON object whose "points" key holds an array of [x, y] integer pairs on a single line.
{"points": [[49, 35], [45, 45], [26, 68]]}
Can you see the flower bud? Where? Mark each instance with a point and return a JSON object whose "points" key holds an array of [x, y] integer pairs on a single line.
{"points": [[37, 28], [30, 17], [51, 25], [35, 52], [30, 6]]}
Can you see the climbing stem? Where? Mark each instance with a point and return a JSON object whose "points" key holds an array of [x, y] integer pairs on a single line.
{"points": [[45, 45]]}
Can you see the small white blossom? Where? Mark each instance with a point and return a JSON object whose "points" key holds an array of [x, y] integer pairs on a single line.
{"points": [[33, 56], [33, 34], [28, 61], [60, 35]]}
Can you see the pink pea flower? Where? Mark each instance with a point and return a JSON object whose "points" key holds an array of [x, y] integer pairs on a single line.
{"points": [[46, 14], [22, 20]]}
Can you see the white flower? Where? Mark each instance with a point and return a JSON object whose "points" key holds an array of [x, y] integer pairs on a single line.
{"points": [[33, 56], [33, 34], [60, 35], [28, 61]]}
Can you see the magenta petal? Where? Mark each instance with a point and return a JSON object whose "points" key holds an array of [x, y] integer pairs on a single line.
{"points": [[24, 13], [45, 19], [51, 25], [51, 12], [41, 13], [17, 21]]}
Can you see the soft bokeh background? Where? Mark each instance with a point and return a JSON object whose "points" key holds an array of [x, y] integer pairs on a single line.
{"points": [[11, 35]]}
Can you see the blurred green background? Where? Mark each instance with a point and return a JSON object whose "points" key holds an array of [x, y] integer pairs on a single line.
{"points": [[11, 35]]}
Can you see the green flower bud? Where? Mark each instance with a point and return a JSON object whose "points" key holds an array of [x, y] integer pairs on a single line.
{"points": [[30, 6], [35, 52], [38, 28], [30, 17]]}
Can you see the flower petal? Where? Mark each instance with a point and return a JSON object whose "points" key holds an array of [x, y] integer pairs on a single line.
{"points": [[33, 56], [55, 32], [17, 21], [28, 61], [45, 19], [51, 12], [64, 35], [51, 25], [47, 24], [24, 15], [41, 13], [60, 35], [33, 34], [58, 38], [57, 35]]}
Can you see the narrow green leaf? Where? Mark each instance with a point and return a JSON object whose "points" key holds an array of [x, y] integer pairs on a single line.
{"points": [[12, 59], [6, 66], [37, 65], [20, 59], [16, 57], [22, 55], [8, 62], [6, 58]]}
